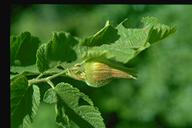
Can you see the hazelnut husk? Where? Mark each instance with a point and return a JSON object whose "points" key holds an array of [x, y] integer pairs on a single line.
{"points": [[97, 74]]}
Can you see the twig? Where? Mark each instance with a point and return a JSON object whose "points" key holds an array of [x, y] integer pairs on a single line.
{"points": [[47, 79]]}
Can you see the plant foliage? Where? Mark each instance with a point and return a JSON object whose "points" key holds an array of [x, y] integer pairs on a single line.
{"points": [[115, 46]]}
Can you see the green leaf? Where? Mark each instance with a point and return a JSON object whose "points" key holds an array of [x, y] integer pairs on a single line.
{"points": [[42, 60], [62, 118], [35, 106], [25, 101], [106, 35], [130, 43], [26, 70], [23, 49], [158, 31], [50, 96], [71, 99], [59, 49]]}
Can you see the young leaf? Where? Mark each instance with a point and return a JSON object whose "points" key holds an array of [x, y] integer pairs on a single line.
{"points": [[50, 96], [59, 49], [106, 35], [23, 49], [70, 98], [131, 42], [25, 101], [42, 60]]}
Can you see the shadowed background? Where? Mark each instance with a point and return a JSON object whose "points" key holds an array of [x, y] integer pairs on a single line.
{"points": [[161, 97]]}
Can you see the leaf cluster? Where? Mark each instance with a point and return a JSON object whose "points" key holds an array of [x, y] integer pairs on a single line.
{"points": [[32, 63]]}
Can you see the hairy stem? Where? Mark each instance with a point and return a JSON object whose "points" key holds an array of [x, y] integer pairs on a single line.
{"points": [[40, 75], [50, 83], [46, 79]]}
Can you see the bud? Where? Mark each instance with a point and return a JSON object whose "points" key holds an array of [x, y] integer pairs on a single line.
{"points": [[98, 74]]}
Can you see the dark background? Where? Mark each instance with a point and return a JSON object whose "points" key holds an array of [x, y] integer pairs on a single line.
{"points": [[161, 97]]}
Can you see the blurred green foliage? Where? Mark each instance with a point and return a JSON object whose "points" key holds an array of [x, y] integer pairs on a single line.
{"points": [[162, 94]]}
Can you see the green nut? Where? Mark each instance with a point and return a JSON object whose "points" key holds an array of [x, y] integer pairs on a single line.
{"points": [[97, 74]]}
